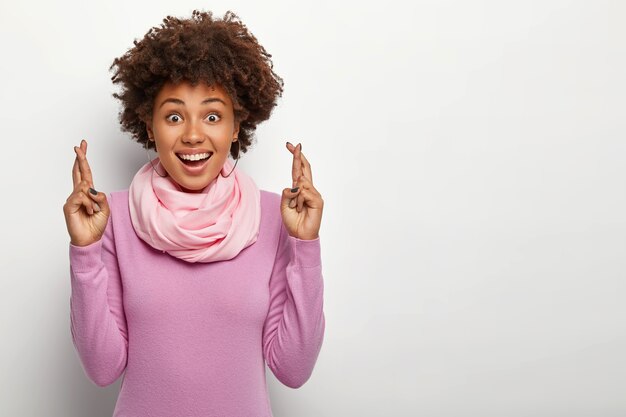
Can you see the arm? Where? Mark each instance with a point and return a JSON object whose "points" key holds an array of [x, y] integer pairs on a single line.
{"points": [[98, 324], [294, 327]]}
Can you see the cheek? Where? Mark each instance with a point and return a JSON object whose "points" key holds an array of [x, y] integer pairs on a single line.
{"points": [[225, 139]]}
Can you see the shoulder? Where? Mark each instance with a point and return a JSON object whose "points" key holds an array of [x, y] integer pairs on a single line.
{"points": [[119, 193], [271, 217], [118, 203], [270, 199], [118, 197], [270, 207]]}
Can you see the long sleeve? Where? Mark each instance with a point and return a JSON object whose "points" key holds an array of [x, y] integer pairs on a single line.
{"points": [[98, 324], [294, 328]]}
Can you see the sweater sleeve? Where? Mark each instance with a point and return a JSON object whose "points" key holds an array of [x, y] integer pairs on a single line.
{"points": [[97, 320], [294, 328]]}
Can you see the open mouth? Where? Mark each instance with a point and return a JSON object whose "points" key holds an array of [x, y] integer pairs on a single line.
{"points": [[194, 163]]}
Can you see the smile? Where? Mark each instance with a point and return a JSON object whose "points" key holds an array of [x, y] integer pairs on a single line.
{"points": [[194, 164], [194, 157]]}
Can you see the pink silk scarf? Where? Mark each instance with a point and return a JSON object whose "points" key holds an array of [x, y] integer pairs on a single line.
{"points": [[213, 225]]}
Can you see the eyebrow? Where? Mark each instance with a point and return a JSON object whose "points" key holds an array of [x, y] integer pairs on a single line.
{"points": [[179, 101]]}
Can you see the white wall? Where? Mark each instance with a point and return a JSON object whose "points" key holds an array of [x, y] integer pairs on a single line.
{"points": [[471, 156]]}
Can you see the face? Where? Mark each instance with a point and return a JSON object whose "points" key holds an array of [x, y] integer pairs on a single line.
{"points": [[192, 120]]}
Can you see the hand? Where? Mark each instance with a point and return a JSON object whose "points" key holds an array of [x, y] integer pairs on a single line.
{"points": [[86, 214], [302, 210]]}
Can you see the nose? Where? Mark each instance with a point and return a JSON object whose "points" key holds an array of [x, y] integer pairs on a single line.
{"points": [[193, 133]]}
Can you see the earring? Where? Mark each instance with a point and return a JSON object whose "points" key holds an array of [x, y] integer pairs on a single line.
{"points": [[237, 160], [145, 145]]}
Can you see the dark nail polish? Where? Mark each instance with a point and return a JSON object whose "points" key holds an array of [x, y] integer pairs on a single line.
{"points": [[294, 190], [92, 191], [289, 143]]}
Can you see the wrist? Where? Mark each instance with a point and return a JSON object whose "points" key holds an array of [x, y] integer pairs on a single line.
{"points": [[82, 244], [306, 237], [305, 252]]}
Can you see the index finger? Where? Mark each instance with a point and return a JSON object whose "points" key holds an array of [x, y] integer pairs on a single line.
{"points": [[75, 172], [83, 165], [296, 166]]}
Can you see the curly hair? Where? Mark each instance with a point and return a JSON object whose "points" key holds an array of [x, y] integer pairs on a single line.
{"points": [[200, 48]]}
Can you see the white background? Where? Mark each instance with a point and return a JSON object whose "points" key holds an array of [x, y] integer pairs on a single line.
{"points": [[471, 156]]}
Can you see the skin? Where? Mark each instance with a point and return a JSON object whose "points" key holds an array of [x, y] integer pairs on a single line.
{"points": [[86, 214], [186, 124]]}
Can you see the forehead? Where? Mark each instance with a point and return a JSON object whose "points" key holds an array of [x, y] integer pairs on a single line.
{"points": [[194, 93]]}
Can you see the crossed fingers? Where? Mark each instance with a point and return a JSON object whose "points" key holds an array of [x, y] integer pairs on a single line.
{"points": [[300, 165], [81, 170]]}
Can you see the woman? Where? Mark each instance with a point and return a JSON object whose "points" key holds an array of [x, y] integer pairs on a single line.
{"points": [[193, 279]]}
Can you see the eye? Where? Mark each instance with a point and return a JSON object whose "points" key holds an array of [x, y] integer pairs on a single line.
{"points": [[213, 117], [172, 116]]}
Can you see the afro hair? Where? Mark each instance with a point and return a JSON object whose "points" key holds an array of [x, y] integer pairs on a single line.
{"points": [[199, 49]]}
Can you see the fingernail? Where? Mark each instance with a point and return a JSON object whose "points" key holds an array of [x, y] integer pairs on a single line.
{"points": [[289, 143], [92, 191], [300, 145], [294, 190], [96, 207]]}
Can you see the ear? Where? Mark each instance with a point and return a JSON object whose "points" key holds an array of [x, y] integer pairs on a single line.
{"points": [[236, 131], [149, 129]]}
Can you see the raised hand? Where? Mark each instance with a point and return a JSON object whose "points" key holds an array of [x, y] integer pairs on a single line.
{"points": [[86, 214], [301, 210]]}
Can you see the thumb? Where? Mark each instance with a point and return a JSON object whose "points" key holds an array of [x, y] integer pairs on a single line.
{"points": [[101, 200], [289, 194]]}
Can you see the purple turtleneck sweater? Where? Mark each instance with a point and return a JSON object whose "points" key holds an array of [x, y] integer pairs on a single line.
{"points": [[192, 339]]}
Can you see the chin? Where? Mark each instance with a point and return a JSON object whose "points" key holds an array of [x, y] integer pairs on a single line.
{"points": [[189, 189], [194, 188]]}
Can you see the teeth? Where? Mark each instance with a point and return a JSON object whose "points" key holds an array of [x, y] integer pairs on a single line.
{"points": [[195, 157]]}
